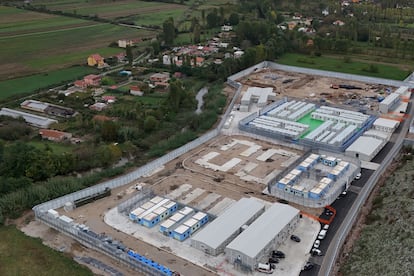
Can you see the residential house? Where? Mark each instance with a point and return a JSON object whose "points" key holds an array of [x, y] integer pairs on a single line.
{"points": [[120, 57], [54, 135], [96, 60], [109, 99], [238, 54], [123, 43], [98, 106], [169, 59], [135, 90], [226, 28], [160, 77], [80, 84], [92, 80]]}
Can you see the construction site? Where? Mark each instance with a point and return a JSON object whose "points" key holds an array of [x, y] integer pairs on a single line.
{"points": [[190, 211]]}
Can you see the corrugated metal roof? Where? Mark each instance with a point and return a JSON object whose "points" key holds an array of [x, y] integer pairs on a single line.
{"points": [[264, 229], [220, 229], [365, 145]]}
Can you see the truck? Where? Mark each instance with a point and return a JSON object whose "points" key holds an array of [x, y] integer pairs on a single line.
{"points": [[264, 268]]}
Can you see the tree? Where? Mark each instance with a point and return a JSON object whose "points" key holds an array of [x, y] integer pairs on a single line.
{"points": [[150, 123], [109, 131], [168, 31], [234, 19], [129, 54], [196, 33]]}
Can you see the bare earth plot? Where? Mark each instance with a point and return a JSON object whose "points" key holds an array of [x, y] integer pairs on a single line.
{"points": [[314, 88]]}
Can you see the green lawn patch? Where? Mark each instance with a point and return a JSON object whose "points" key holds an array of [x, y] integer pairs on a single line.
{"points": [[22, 255], [339, 65], [29, 84], [312, 123], [57, 148]]}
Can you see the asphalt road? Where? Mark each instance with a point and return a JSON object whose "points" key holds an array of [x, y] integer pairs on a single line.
{"points": [[341, 205], [384, 157]]}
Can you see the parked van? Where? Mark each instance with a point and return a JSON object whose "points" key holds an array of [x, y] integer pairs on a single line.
{"points": [[322, 234], [265, 268]]}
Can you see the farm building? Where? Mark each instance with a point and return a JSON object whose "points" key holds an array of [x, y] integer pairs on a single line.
{"points": [[266, 233], [389, 103], [31, 119], [221, 231], [34, 105], [365, 148], [54, 135]]}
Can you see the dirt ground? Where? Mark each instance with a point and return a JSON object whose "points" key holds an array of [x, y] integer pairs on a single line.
{"points": [[315, 88], [179, 171]]}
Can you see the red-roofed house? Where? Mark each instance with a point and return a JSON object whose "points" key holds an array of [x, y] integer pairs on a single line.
{"points": [[96, 60], [135, 90], [92, 80], [54, 135], [80, 84], [109, 99]]}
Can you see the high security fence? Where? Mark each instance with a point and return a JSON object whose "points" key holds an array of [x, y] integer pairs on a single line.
{"points": [[41, 209], [104, 244]]}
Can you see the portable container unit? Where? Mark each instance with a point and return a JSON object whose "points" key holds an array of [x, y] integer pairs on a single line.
{"points": [[329, 161], [53, 213], [282, 183], [150, 220], [147, 205], [66, 219], [171, 206], [133, 215], [186, 210], [166, 225], [304, 166], [162, 212], [181, 233], [203, 218], [156, 199]]}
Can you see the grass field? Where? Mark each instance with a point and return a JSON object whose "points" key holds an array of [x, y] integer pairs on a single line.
{"points": [[116, 9], [57, 148], [31, 83], [22, 255], [313, 124], [34, 42], [339, 65]]}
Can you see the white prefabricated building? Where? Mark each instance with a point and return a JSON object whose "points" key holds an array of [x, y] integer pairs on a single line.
{"points": [[214, 237], [365, 148], [266, 233]]}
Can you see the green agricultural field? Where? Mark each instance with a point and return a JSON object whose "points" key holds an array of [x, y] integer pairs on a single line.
{"points": [[22, 255], [115, 9], [29, 84], [33, 42], [339, 65]]}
